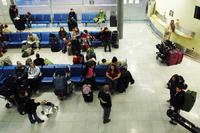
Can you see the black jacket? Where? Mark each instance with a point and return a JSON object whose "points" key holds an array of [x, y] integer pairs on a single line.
{"points": [[39, 62], [72, 15], [31, 106], [106, 36], [21, 72], [178, 100], [105, 97]]}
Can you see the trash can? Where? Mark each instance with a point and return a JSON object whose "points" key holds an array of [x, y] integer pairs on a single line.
{"points": [[115, 39]]}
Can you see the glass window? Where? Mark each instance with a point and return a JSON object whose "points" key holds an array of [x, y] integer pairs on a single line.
{"points": [[125, 2], [32, 2], [130, 1], [4, 2]]}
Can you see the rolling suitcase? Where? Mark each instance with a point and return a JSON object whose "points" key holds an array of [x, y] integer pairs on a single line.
{"points": [[190, 98], [172, 58], [180, 57], [113, 21]]}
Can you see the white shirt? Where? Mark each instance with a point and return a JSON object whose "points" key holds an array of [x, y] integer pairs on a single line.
{"points": [[33, 72]]}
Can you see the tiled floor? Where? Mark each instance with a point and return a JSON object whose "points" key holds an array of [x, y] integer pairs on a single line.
{"points": [[142, 109]]}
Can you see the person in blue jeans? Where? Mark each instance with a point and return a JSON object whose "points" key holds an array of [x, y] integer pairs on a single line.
{"points": [[63, 38], [106, 103]]}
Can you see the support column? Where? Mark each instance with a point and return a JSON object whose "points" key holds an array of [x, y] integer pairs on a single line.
{"points": [[120, 17]]}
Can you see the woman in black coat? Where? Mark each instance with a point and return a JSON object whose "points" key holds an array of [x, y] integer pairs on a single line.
{"points": [[13, 12]]}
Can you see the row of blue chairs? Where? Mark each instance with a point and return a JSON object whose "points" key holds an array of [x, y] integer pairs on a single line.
{"points": [[48, 71], [14, 40], [60, 18]]}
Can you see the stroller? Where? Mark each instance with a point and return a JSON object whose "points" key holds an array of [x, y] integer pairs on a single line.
{"points": [[48, 108], [14, 93]]}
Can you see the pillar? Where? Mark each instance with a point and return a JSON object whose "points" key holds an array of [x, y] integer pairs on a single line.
{"points": [[120, 17]]}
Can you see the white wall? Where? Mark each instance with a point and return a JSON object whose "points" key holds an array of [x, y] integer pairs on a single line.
{"points": [[183, 10]]}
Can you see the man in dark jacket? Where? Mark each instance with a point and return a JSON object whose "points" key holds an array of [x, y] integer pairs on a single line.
{"points": [[178, 101], [13, 12], [39, 61], [106, 38], [30, 108], [106, 103], [72, 19]]}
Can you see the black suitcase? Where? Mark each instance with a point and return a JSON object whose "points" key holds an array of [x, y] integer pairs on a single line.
{"points": [[115, 39], [113, 21]]}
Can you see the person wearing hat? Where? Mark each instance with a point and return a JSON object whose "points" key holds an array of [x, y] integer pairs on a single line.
{"points": [[178, 101]]}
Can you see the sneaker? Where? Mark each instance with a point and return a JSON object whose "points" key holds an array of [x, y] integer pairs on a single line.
{"points": [[172, 122], [106, 121], [41, 121]]}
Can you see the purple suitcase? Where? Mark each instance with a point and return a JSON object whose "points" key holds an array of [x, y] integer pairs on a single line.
{"points": [[172, 57], [180, 57]]}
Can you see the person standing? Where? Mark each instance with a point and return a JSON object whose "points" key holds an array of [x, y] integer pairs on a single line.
{"points": [[178, 101], [72, 19], [29, 19], [106, 103], [30, 108], [106, 38], [13, 12]]}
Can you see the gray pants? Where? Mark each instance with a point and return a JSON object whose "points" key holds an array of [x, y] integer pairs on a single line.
{"points": [[106, 113]]}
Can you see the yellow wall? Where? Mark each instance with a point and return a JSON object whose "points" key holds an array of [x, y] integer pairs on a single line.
{"points": [[184, 11]]}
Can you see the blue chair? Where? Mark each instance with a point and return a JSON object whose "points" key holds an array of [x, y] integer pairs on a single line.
{"points": [[47, 74], [2, 76], [46, 18], [38, 18], [61, 69], [57, 18], [24, 36], [88, 17], [15, 40], [75, 73], [9, 70], [100, 73], [44, 39], [64, 18]]}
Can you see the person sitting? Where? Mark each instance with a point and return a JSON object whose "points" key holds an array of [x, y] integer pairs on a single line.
{"points": [[182, 83], [39, 61], [103, 62], [33, 41], [113, 74], [29, 19], [33, 77], [101, 17], [6, 29], [21, 71], [89, 75], [72, 19]]}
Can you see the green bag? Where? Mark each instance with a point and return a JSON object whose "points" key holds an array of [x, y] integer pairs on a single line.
{"points": [[47, 62], [190, 98]]}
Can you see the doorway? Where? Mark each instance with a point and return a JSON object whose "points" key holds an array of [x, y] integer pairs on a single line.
{"points": [[135, 10]]}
